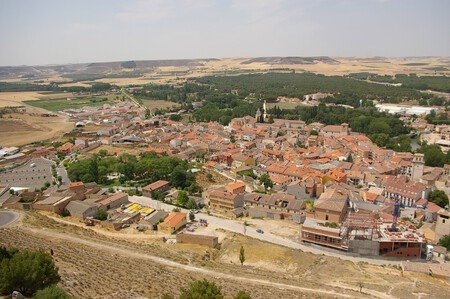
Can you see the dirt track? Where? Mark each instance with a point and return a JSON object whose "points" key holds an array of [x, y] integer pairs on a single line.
{"points": [[94, 265], [166, 262], [94, 269]]}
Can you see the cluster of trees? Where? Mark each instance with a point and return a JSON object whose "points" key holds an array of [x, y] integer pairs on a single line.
{"points": [[433, 102], [179, 94], [77, 77], [175, 117], [401, 143], [184, 201], [266, 181], [445, 241], [379, 126], [437, 119], [204, 289], [20, 86], [138, 170], [438, 83], [32, 273], [222, 105], [272, 85], [438, 197], [434, 156], [225, 113]]}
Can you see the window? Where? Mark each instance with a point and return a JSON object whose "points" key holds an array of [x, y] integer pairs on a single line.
{"points": [[326, 217]]}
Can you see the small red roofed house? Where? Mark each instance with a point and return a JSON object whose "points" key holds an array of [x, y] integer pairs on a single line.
{"points": [[160, 185], [173, 222], [65, 148]]}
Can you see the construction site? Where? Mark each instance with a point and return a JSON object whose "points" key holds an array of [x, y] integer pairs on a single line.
{"points": [[363, 234]]}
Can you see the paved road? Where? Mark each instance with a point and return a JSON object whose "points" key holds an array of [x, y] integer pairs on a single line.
{"points": [[61, 171], [8, 217], [237, 226], [131, 98]]}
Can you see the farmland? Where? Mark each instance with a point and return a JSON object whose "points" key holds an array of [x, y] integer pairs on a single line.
{"points": [[14, 99], [159, 104], [31, 127], [284, 105], [68, 103]]}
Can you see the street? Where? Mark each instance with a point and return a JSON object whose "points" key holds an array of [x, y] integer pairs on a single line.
{"points": [[237, 226], [62, 172], [8, 217]]}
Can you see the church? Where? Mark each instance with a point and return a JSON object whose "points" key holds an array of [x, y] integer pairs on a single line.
{"points": [[262, 117]]}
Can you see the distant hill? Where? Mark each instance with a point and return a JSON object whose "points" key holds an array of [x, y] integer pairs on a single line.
{"points": [[292, 60], [93, 68]]}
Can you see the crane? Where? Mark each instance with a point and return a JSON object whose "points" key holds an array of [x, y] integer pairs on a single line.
{"points": [[395, 213]]}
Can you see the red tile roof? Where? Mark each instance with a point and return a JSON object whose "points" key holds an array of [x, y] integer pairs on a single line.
{"points": [[174, 219], [155, 185]]}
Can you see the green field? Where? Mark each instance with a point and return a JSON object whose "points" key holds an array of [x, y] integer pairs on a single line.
{"points": [[74, 103]]}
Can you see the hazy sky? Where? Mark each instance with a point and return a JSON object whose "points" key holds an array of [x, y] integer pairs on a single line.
{"points": [[60, 31]]}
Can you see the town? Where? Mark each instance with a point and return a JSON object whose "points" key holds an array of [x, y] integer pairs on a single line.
{"points": [[334, 187], [224, 149]]}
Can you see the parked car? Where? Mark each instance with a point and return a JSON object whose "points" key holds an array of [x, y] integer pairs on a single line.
{"points": [[260, 231]]}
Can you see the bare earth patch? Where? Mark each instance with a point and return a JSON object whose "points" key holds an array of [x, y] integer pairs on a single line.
{"points": [[94, 265], [23, 128]]}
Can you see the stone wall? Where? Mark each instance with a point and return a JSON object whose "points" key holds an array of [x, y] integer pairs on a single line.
{"points": [[210, 241], [364, 247]]}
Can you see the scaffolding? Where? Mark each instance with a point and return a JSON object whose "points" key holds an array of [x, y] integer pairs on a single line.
{"points": [[360, 226]]}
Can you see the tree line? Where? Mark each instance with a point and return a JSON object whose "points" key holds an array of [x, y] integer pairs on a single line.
{"points": [[20, 86], [271, 85], [134, 170], [437, 83]]}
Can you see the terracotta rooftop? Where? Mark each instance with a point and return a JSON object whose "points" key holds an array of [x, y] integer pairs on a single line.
{"points": [[75, 184], [113, 198], [155, 185], [174, 218]]}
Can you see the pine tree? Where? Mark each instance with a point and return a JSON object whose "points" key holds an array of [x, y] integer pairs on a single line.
{"points": [[242, 255]]}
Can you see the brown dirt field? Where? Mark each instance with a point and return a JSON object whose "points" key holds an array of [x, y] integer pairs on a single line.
{"points": [[31, 127], [205, 183], [283, 105], [12, 125], [158, 104], [82, 84], [124, 81], [112, 149]]}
